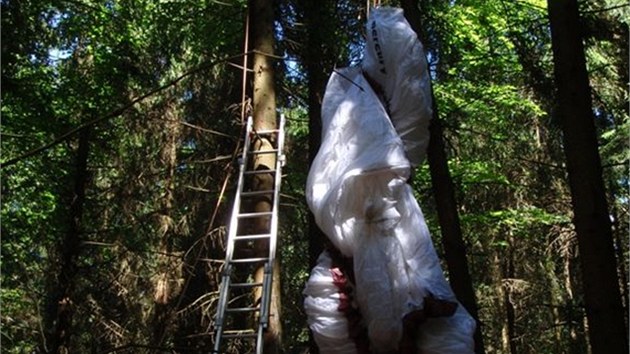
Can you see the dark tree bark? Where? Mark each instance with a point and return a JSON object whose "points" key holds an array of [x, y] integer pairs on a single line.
{"points": [[621, 260], [169, 268], [602, 300], [316, 72], [61, 307], [510, 311], [452, 241], [264, 114], [316, 17]]}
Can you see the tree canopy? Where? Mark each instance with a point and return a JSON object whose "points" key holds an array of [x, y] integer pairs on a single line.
{"points": [[120, 132]]}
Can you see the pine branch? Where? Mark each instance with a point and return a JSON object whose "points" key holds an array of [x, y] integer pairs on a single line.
{"points": [[620, 6], [116, 112]]}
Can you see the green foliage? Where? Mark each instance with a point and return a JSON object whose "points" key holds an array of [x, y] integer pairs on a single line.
{"points": [[156, 171], [28, 209], [77, 61], [492, 70]]}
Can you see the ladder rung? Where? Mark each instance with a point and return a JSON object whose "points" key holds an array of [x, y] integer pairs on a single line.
{"points": [[243, 309], [249, 260], [246, 257], [255, 193], [251, 237], [255, 215], [260, 152], [268, 131], [258, 172], [246, 285], [249, 333]]}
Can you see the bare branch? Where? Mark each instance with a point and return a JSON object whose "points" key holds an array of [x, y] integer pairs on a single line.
{"points": [[206, 130], [607, 8]]}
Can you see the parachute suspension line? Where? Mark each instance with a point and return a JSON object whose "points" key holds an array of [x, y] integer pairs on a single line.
{"points": [[245, 55]]}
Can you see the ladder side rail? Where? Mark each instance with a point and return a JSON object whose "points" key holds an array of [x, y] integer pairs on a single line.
{"points": [[268, 276], [259, 340], [263, 320], [276, 197], [232, 235], [239, 188], [225, 285], [227, 272], [267, 289], [223, 295]]}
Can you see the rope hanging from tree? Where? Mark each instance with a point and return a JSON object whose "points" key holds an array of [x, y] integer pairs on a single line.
{"points": [[244, 84]]}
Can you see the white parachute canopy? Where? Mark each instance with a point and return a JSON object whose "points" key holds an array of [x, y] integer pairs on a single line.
{"points": [[395, 61], [358, 193]]}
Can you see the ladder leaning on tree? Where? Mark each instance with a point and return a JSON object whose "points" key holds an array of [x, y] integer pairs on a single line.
{"points": [[226, 328]]}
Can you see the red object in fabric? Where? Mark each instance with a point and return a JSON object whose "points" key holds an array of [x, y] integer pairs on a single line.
{"points": [[342, 278]]}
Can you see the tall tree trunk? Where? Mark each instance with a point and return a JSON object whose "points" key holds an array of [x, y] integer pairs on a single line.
{"points": [[169, 267], [573, 316], [510, 311], [452, 241], [602, 298], [499, 310], [620, 252], [61, 307], [264, 113], [316, 17], [556, 294]]}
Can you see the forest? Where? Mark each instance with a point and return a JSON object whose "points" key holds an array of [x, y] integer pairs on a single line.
{"points": [[122, 121]]}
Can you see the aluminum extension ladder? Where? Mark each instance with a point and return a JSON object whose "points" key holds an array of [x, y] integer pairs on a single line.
{"points": [[223, 324]]}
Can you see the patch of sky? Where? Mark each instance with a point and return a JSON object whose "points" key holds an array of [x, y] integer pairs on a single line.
{"points": [[56, 18], [432, 62], [294, 70], [189, 145], [356, 49], [187, 96], [110, 5], [58, 53]]}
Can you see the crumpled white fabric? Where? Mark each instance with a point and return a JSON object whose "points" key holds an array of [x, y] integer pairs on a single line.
{"points": [[321, 304], [357, 138], [395, 59], [379, 257], [358, 193]]}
